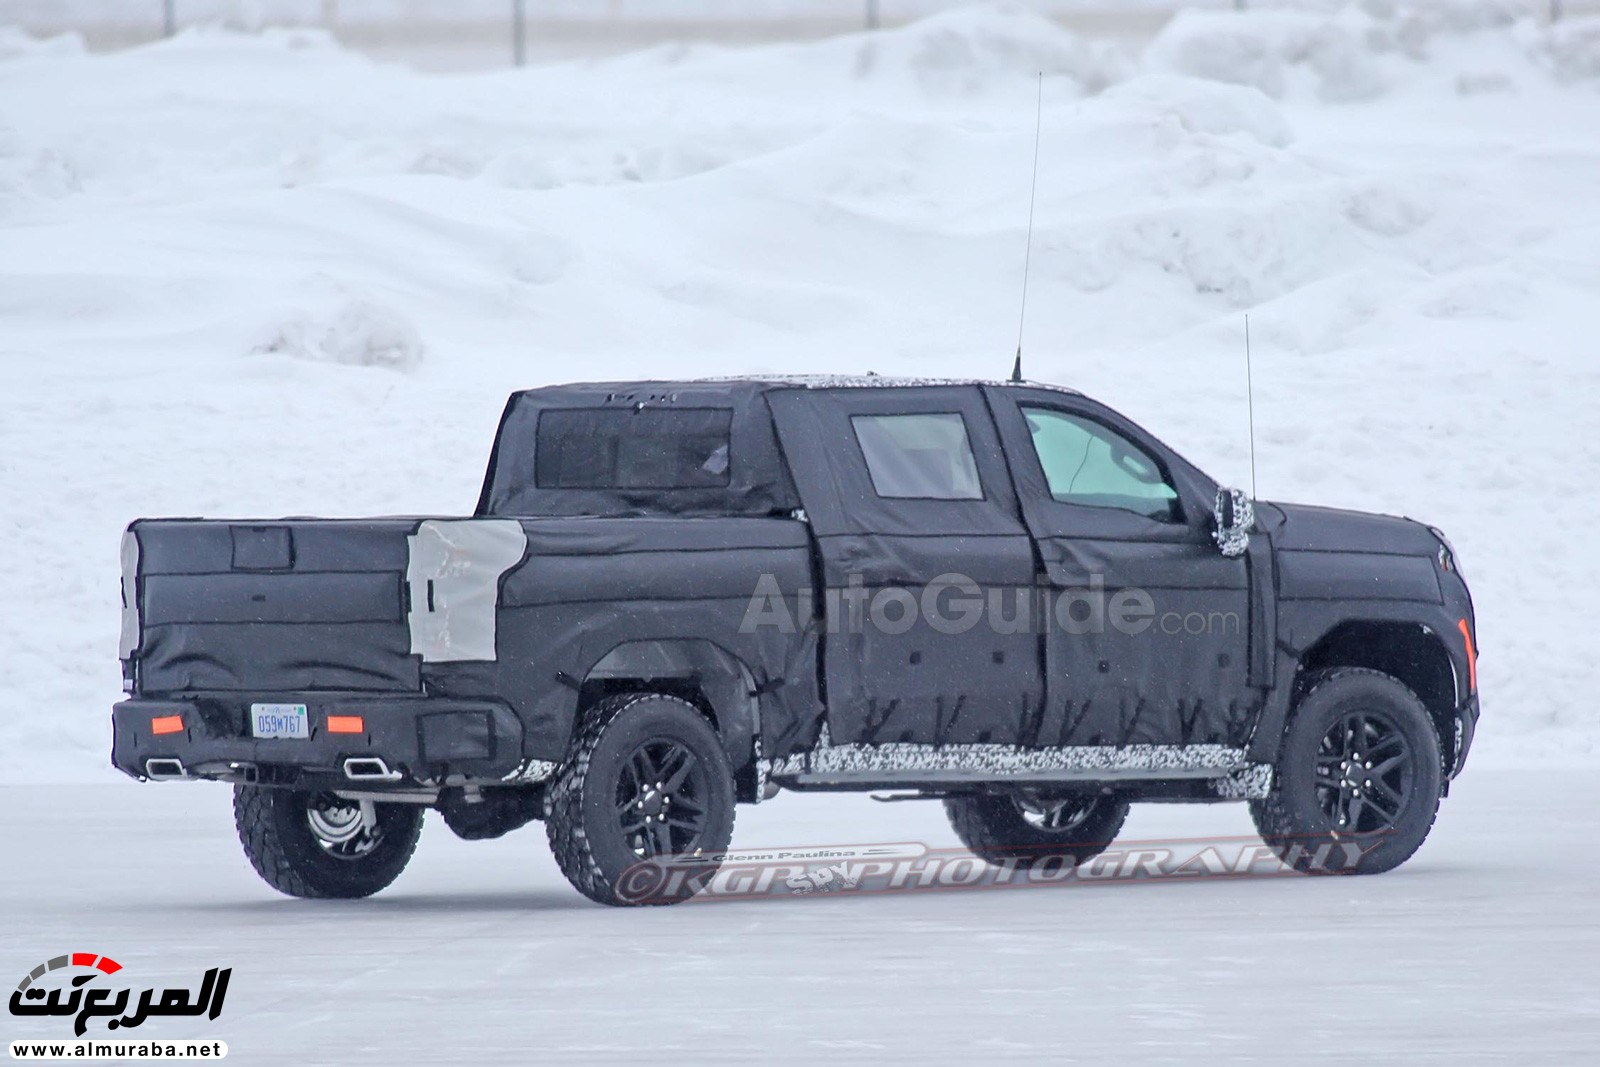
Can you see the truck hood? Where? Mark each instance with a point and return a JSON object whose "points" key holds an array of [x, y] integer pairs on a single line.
{"points": [[1301, 527]]}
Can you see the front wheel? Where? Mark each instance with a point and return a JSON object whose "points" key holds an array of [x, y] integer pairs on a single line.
{"points": [[320, 846], [1030, 827], [1358, 779]]}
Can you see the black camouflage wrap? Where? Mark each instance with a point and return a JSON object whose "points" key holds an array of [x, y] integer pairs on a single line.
{"points": [[620, 589]]}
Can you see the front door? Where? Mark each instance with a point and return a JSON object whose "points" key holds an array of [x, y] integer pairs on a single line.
{"points": [[1148, 624], [927, 566]]}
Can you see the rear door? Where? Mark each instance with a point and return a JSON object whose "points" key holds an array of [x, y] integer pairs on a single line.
{"points": [[927, 567], [1148, 624]]}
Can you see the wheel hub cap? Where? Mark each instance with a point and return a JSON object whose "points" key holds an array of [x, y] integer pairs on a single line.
{"points": [[1055, 814], [1364, 773], [346, 829], [661, 799]]}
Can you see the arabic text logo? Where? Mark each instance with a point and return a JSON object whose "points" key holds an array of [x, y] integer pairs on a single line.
{"points": [[82, 1001]]}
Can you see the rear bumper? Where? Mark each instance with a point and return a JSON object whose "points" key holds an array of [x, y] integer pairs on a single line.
{"points": [[421, 741]]}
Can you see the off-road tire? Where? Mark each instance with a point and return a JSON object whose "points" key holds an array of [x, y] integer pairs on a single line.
{"points": [[277, 837], [1293, 818], [994, 828], [583, 820]]}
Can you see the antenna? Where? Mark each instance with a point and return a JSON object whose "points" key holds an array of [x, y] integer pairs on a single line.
{"points": [[1027, 255], [1250, 392]]}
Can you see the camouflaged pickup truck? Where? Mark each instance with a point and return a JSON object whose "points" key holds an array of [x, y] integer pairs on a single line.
{"points": [[675, 597]]}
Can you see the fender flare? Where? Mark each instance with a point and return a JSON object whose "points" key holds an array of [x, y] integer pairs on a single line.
{"points": [[722, 679]]}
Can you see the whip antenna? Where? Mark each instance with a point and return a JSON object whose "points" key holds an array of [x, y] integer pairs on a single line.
{"points": [[1250, 393], [1027, 255]]}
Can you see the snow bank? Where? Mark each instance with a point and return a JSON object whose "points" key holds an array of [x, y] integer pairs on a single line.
{"points": [[967, 51], [257, 275], [15, 44], [343, 327], [1573, 49], [1265, 50], [1354, 53]]}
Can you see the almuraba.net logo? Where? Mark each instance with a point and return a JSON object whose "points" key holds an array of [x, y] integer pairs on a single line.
{"points": [[48, 990]]}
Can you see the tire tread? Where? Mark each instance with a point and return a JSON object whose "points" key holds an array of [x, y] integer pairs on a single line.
{"points": [[564, 822], [1272, 818], [259, 817]]}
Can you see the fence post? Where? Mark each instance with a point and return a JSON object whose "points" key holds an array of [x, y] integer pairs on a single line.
{"points": [[519, 32], [872, 14], [1555, 10], [169, 17]]}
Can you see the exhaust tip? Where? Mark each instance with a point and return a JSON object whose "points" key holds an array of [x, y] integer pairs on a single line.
{"points": [[164, 770], [369, 769]]}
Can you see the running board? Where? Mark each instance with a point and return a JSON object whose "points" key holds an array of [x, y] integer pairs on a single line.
{"points": [[830, 764]]}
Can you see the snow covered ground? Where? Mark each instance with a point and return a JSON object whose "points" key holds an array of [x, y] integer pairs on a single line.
{"points": [[260, 275], [1485, 948]]}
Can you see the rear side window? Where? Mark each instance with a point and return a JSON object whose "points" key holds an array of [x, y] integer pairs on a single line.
{"points": [[919, 457], [632, 448]]}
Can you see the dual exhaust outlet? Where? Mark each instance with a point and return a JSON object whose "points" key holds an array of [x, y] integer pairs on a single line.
{"points": [[356, 768]]}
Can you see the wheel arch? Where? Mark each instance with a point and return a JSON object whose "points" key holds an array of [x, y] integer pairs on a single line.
{"points": [[697, 670], [1411, 653]]}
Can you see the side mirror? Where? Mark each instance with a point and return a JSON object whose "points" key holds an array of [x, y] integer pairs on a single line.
{"points": [[1235, 516]]}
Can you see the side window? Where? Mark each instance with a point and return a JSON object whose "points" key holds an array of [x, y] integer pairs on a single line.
{"points": [[1094, 466], [919, 457]]}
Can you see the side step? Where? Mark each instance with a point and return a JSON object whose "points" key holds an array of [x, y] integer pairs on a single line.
{"points": [[899, 762]]}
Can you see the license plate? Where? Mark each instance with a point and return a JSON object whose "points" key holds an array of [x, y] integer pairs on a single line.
{"points": [[279, 720]]}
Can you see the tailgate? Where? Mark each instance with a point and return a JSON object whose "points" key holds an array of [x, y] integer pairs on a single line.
{"points": [[287, 605]]}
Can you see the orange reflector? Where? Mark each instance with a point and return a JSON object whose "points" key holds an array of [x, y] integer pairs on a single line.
{"points": [[166, 724], [1472, 655], [346, 724]]}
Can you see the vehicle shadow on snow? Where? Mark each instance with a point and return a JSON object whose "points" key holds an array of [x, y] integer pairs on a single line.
{"points": [[1403, 883], [404, 903]]}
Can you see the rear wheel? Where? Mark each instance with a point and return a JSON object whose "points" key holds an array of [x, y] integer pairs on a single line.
{"points": [[1358, 780], [645, 793], [1028, 827], [319, 845]]}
